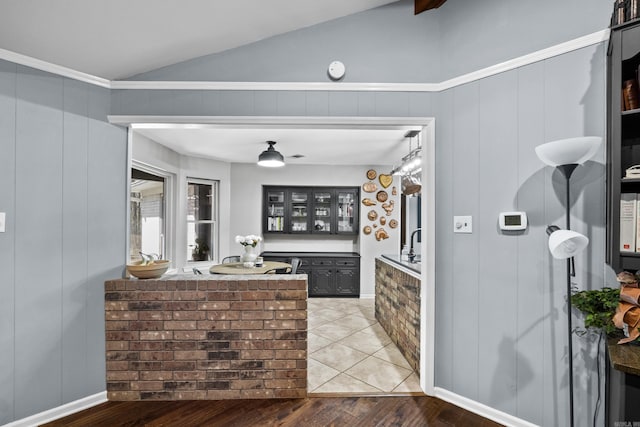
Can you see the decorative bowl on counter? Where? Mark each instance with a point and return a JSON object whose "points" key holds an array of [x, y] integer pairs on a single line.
{"points": [[150, 270]]}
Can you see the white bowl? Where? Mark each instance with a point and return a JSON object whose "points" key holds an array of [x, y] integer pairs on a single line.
{"points": [[149, 271]]}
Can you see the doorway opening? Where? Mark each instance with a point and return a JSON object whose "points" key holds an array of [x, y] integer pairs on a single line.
{"points": [[313, 125]]}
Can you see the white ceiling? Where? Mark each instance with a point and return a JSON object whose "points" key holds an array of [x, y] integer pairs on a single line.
{"points": [[116, 39], [324, 146]]}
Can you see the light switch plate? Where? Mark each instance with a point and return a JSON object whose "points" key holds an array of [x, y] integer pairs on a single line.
{"points": [[462, 224], [3, 217]]}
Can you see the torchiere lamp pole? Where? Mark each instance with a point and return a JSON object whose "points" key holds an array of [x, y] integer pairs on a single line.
{"points": [[567, 155]]}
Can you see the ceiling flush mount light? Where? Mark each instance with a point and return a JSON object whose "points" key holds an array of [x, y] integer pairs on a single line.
{"points": [[270, 158]]}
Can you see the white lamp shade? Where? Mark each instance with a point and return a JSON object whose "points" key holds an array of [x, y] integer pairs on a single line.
{"points": [[568, 151], [565, 244]]}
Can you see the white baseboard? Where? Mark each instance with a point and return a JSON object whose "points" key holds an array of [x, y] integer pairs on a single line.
{"points": [[60, 411], [367, 296], [480, 409]]}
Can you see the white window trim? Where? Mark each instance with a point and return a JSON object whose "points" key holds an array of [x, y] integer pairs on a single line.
{"points": [[169, 203], [215, 213]]}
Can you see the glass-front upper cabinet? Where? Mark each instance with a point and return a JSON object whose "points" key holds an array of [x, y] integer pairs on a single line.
{"points": [[299, 211], [322, 211], [347, 211], [304, 210], [274, 220]]}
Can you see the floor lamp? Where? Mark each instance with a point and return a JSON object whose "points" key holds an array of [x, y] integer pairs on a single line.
{"points": [[567, 155]]}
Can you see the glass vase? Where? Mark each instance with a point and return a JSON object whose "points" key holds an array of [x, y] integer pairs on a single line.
{"points": [[249, 254]]}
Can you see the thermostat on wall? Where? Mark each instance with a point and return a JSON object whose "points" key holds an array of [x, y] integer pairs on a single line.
{"points": [[513, 221]]}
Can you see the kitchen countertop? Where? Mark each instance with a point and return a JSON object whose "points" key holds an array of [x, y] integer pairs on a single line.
{"points": [[310, 254], [625, 357], [414, 267]]}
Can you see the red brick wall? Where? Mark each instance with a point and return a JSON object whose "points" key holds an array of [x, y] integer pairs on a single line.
{"points": [[213, 338], [398, 309]]}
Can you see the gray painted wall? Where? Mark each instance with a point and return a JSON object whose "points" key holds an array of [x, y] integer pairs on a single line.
{"points": [[501, 311], [386, 44], [478, 34], [391, 44], [62, 185]]}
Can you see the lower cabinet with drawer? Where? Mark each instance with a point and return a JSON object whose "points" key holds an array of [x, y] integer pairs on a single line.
{"points": [[330, 274]]}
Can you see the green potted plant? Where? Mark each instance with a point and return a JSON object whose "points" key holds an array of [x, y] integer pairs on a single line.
{"points": [[598, 307], [201, 251]]}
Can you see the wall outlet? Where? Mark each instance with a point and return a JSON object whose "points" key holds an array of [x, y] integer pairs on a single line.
{"points": [[3, 217], [462, 224]]}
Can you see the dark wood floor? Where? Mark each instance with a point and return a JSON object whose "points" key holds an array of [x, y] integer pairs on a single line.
{"points": [[313, 411]]}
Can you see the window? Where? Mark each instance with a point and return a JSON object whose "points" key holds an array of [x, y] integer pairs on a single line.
{"points": [[147, 219], [202, 226]]}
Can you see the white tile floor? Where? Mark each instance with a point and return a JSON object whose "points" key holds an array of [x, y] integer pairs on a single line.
{"points": [[349, 352]]}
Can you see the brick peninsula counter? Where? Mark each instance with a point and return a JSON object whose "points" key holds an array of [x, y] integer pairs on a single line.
{"points": [[187, 337], [398, 305]]}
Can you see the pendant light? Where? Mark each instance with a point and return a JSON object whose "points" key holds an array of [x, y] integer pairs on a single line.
{"points": [[270, 158]]}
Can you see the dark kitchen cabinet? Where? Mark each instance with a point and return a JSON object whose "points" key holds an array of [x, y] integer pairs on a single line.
{"points": [[310, 210], [286, 210], [322, 282], [330, 274], [347, 277]]}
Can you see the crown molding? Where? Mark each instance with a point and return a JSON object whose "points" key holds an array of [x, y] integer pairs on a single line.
{"points": [[540, 55], [53, 68], [279, 86]]}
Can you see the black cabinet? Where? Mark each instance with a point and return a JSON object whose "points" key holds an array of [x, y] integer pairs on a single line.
{"points": [[310, 210], [286, 210], [346, 280], [322, 282], [623, 148], [330, 274], [623, 151], [347, 275]]}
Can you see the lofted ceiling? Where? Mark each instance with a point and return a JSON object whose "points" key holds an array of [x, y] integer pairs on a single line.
{"points": [[117, 39]]}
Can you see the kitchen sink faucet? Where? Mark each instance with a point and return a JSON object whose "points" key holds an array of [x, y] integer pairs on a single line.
{"points": [[412, 253]]}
